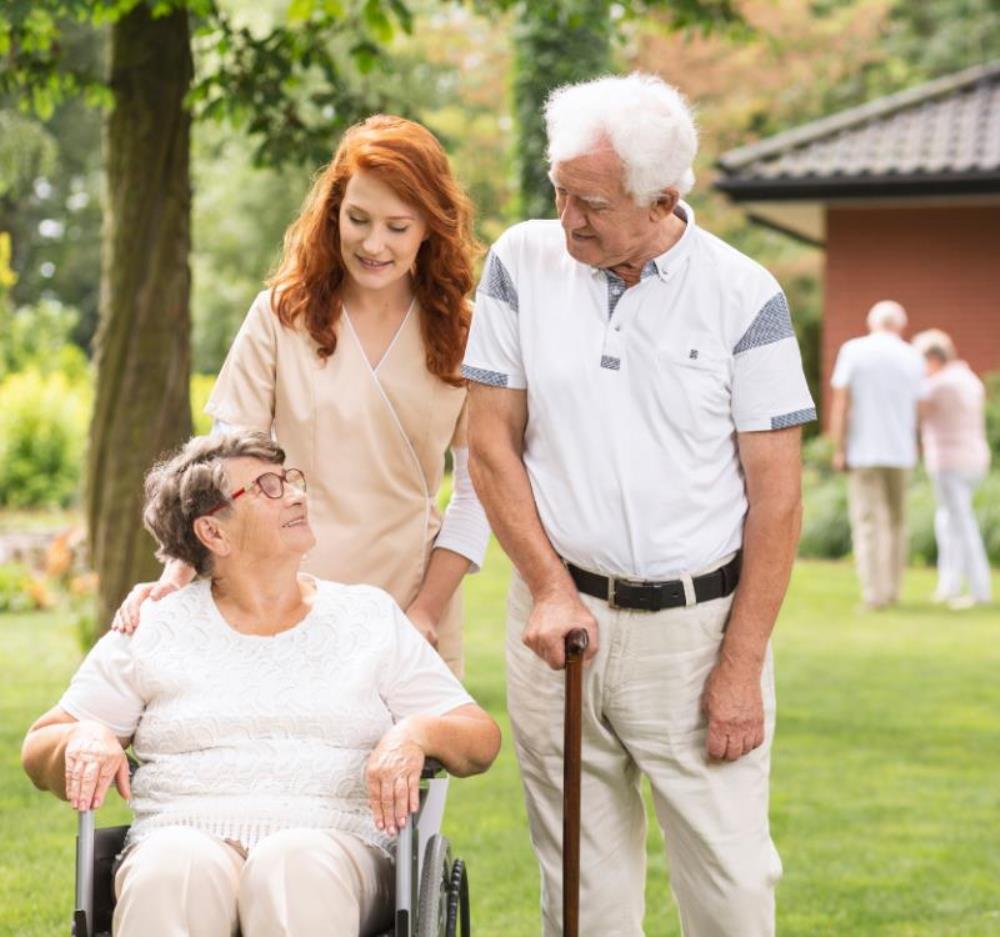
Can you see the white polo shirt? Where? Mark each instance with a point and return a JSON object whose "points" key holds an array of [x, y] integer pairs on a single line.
{"points": [[635, 396], [885, 377]]}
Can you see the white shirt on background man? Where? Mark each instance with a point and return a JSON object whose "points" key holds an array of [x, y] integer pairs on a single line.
{"points": [[885, 378]]}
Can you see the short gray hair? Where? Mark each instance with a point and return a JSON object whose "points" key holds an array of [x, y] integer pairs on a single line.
{"points": [[887, 314], [190, 483], [647, 122], [935, 342]]}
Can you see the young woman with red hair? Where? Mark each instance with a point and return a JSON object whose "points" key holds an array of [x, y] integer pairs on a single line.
{"points": [[351, 360]]}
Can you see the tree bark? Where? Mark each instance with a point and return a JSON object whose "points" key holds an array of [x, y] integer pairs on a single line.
{"points": [[142, 346]]}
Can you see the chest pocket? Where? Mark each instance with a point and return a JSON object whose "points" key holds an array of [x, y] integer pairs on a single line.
{"points": [[694, 386]]}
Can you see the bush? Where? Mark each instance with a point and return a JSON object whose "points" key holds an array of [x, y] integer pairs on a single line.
{"points": [[992, 382], [39, 338], [826, 529], [201, 389], [43, 434], [15, 586]]}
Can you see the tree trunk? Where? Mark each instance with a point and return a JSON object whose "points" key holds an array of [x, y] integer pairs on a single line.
{"points": [[554, 44], [142, 346]]}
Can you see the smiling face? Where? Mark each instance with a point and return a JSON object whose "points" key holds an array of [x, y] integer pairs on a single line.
{"points": [[379, 233], [263, 528], [604, 226]]}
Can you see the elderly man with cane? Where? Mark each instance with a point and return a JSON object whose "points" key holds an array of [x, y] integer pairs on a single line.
{"points": [[637, 395]]}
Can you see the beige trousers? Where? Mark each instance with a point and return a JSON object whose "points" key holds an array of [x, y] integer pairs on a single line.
{"points": [[642, 716], [878, 531], [180, 882]]}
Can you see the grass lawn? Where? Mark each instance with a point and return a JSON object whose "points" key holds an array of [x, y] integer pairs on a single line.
{"points": [[886, 798]]}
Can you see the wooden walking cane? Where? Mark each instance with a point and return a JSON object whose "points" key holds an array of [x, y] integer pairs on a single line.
{"points": [[576, 644]]}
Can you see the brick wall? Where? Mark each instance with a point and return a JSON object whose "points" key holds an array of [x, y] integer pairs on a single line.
{"points": [[941, 262]]}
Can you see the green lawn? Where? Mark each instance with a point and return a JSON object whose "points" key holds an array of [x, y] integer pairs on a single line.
{"points": [[886, 787]]}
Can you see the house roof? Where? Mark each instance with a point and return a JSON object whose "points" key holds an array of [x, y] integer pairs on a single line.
{"points": [[941, 138]]}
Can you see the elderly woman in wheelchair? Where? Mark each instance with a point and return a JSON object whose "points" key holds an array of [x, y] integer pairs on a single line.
{"points": [[280, 723]]}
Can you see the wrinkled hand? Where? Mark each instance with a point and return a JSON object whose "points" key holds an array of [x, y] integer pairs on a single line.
{"points": [[551, 619], [175, 576], [94, 757], [393, 776], [425, 623], [734, 705]]}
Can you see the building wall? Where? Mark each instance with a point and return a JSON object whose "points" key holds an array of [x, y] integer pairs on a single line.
{"points": [[941, 262]]}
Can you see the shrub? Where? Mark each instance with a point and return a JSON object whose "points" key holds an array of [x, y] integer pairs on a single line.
{"points": [[992, 382], [38, 338], [826, 529], [201, 389], [43, 433], [15, 588]]}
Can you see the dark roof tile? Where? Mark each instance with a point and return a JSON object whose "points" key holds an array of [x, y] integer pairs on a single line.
{"points": [[948, 127]]}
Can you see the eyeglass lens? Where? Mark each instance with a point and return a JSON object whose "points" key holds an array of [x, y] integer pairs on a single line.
{"points": [[273, 485]]}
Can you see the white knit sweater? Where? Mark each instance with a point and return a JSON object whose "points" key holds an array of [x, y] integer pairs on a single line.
{"points": [[241, 736]]}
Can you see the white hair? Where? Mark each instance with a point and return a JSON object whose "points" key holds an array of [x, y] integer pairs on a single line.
{"points": [[647, 122], [935, 342], [887, 314]]}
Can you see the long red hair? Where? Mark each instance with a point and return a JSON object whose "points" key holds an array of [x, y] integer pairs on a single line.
{"points": [[408, 159]]}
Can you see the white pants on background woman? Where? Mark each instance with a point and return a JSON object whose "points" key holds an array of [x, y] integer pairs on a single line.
{"points": [[961, 554]]}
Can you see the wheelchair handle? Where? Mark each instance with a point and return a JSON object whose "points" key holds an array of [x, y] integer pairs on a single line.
{"points": [[83, 918]]}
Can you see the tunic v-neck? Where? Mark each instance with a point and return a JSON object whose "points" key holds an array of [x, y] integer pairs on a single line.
{"points": [[391, 343], [371, 441]]}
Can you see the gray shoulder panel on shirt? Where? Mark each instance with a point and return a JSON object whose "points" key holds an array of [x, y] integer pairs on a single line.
{"points": [[483, 376], [795, 418], [497, 282], [772, 324]]}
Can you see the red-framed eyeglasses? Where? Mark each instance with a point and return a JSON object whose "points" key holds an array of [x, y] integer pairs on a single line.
{"points": [[270, 484]]}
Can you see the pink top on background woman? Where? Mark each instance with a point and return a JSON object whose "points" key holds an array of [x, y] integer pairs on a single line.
{"points": [[953, 429]]}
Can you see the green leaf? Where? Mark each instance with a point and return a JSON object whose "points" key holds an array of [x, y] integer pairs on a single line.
{"points": [[334, 8], [377, 22], [43, 101], [299, 11]]}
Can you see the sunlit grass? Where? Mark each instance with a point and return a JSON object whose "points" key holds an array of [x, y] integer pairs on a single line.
{"points": [[886, 804]]}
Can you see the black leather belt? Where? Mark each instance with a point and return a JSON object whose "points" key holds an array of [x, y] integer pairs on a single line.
{"points": [[655, 596]]}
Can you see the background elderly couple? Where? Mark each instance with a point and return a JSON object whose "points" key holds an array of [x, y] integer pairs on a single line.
{"points": [[635, 393], [882, 387]]}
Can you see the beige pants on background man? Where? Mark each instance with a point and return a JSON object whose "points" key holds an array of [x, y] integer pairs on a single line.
{"points": [[180, 882], [642, 716], [878, 530]]}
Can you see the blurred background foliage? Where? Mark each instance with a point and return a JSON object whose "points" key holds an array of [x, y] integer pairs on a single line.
{"points": [[473, 73]]}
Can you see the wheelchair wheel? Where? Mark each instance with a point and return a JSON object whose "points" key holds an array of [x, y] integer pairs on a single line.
{"points": [[458, 901], [435, 886]]}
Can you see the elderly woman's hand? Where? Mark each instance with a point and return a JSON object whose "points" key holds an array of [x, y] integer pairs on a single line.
{"points": [[94, 758], [393, 775], [176, 575]]}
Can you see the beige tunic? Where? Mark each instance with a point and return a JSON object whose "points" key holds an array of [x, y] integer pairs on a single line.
{"points": [[371, 442]]}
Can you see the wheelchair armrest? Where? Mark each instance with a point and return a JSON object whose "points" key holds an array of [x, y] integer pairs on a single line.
{"points": [[432, 769]]}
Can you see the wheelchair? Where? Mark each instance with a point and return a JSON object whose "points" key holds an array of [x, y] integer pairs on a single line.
{"points": [[432, 888]]}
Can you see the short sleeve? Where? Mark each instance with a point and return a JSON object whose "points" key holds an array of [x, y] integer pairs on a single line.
{"points": [[415, 680], [769, 385], [493, 353], [841, 376], [104, 688], [244, 392]]}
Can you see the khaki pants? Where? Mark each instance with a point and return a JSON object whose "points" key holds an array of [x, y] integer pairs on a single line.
{"points": [[180, 882], [878, 531], [642, 716]]}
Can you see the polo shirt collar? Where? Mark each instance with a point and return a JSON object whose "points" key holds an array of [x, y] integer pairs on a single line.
{"points": [[664, 264]]}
